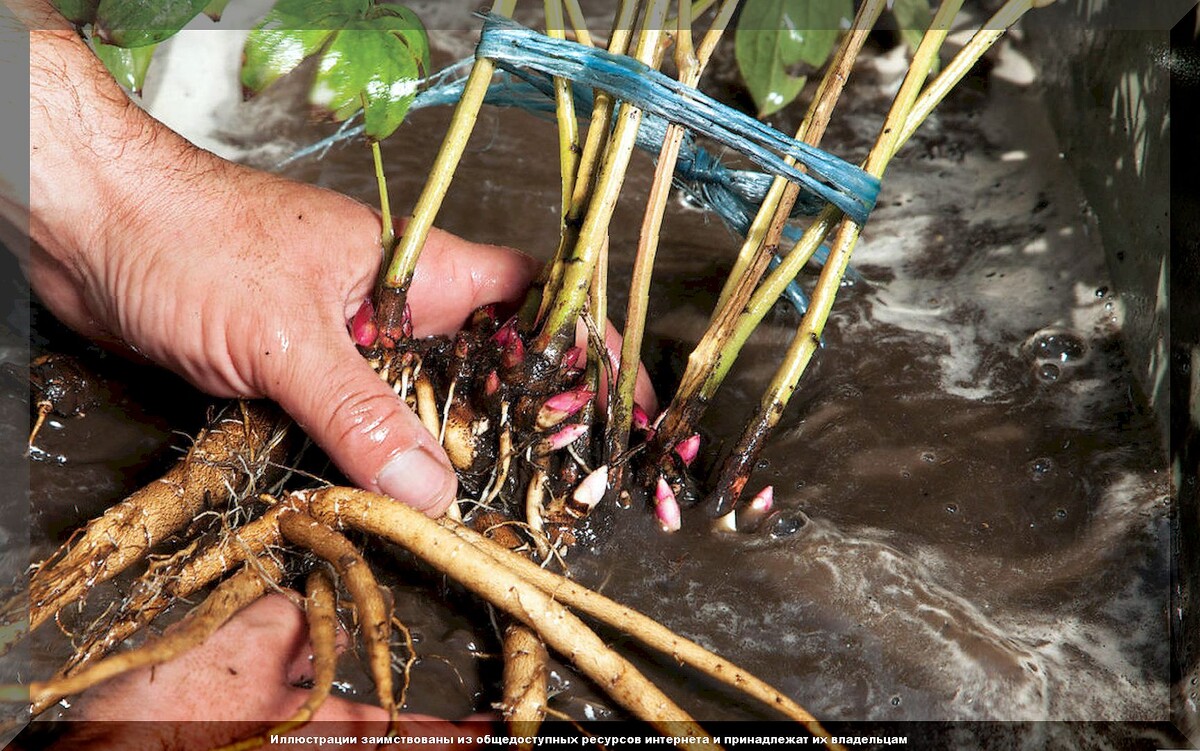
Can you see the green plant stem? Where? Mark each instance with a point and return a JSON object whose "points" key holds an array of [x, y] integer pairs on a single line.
{"points": [[773, 286], [675, 28], [712, 38], [618, 44], [551, 278], [736, 470], [698, 9], [964, 61], [597, 349], [690, 63], [578, 22], [387, 235], [777, 207], [393, 291], [558, 330], [564, 109], [929, 98], [712, 357]]}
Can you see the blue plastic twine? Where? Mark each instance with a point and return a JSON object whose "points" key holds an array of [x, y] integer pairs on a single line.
{"points": [[523, 51]]}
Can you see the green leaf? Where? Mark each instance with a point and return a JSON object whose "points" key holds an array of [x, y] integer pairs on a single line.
{"points": [[270, 54], [408, 29], [370, 57], [78, 12], [137, 23], [369, 69], [338, 86], [128, 65], [775, 35], [215, 8], [329, 15], [912, 18]]}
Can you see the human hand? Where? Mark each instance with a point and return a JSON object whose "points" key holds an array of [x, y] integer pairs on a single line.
{"points": [[239, 280]]}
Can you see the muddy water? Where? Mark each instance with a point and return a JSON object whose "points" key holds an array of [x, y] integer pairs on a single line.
{"points": [[972, 499]]}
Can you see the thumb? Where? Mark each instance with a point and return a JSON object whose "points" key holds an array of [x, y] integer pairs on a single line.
{"points": [[363, 426]]}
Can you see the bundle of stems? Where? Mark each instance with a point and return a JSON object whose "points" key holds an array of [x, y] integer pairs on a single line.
{"points": [[571, 293]]}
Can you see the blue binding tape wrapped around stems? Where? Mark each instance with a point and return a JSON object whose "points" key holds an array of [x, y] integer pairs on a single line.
{"points": [[523, 51], [529, 62]]}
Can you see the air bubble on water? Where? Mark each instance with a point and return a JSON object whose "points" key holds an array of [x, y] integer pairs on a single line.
{"points": [[1040, 467], [928, 457], [1049, 372], [952, 508], [1061, 347], [895, 701], [1056, 345], [1060, 513], [1101, 291], [787, 525]]}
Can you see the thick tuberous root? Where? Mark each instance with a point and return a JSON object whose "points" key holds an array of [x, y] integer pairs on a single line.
{"points": [[175, 579], [538, 601], [525, 681], [506, 590], [373, 614], [232, 595], [539, 598], [228, 460]]}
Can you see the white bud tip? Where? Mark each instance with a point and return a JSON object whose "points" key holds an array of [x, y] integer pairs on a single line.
{"points": [[591, 490]]}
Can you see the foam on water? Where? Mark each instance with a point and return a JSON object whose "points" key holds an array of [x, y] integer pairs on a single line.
{"points": [[948, 647], [987, 252]]}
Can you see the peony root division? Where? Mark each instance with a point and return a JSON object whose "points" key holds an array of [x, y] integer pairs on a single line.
{"points": [[537, 599]]}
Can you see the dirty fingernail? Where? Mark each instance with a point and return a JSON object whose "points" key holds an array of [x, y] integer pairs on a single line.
{"points": [[417, 478]]}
